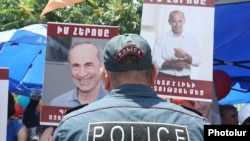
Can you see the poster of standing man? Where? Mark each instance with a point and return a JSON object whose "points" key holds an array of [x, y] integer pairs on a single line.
{"points": [[181, 37]]}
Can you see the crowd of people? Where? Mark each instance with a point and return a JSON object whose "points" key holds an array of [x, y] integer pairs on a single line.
{"points": [[114, 99], [25, 127], [16, 130]]}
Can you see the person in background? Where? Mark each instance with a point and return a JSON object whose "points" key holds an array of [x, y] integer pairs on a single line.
{"points": [[131, 104], [16, 130], [244, 115], [228, 114], [205, 108], [175, 51], [86, 61], [246, 121], [31, 117]]}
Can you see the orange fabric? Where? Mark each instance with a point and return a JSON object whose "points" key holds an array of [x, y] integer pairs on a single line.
{"points": [[181, 102], [55, 4]]}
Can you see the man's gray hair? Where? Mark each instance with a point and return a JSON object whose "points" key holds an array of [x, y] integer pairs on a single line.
{"points": [[99, 49]]}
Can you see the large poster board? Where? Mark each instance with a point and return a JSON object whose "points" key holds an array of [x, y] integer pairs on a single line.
{"points": [[196, 40], [4, 85], [181, 37], [57, 78]]}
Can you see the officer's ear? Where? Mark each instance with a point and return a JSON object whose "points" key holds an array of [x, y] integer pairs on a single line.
{"points": [[106, 80], [154, 74]]}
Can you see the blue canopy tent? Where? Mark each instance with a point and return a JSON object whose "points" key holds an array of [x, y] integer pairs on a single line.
{"points": [[232, 48], [23, 52]]}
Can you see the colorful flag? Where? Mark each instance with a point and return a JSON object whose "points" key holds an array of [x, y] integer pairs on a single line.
{"points": [[55, 4]]}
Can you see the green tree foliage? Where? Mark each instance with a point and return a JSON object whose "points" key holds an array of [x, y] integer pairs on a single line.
{"points": [[17, 14], [123, 13]]}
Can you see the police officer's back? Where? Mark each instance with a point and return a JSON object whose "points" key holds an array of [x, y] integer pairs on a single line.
{"points": [[131, 111]]}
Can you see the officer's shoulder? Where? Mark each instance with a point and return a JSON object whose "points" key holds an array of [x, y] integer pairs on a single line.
{"points": [[75, 108], [192, 110]]}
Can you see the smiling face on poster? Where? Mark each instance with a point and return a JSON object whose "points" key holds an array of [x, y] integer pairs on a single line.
{"points": [[72, 69]]}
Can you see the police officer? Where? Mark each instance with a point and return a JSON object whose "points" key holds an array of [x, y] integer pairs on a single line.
{"points": [[131, 111]]}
